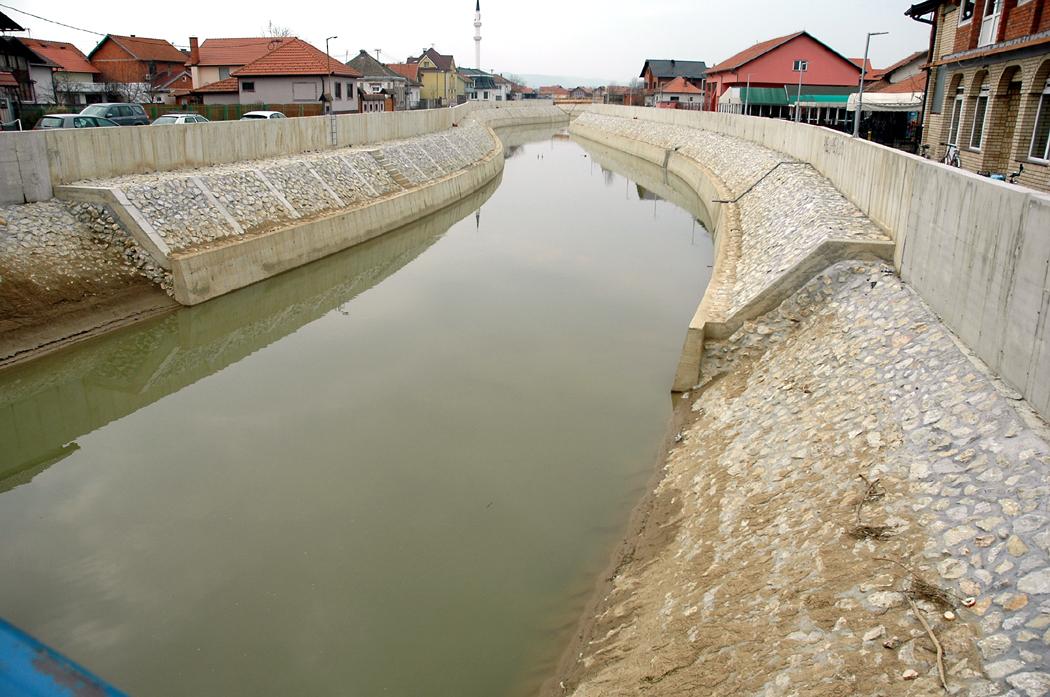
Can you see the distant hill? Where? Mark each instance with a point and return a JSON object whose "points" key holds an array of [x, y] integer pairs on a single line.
{"points": [[567, 81]]}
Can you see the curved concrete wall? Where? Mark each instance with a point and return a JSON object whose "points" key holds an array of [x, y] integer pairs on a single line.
{"points": [[33, 161], [976, 250]]}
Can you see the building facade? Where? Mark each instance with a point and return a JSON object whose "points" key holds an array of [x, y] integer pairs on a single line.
{"points": [[216, 59], [379, 84], [140, 69], [768, 78], [296, 72], [68, 79], [441, 82], [657, 72], [988, 94]]}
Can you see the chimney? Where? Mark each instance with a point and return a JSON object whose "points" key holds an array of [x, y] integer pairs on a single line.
{"points": [[195, 51]]}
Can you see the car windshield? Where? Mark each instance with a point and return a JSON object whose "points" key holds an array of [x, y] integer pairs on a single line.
{"points": [[94, 110], [166, 119]]}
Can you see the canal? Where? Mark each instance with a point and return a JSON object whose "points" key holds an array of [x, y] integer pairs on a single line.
{"points": [[397, 471]]}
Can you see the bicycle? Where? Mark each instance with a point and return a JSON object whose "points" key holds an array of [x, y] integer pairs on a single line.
{"points": [[951, 155]]}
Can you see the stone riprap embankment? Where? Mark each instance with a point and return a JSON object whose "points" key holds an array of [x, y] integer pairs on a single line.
{"points": [[190, 209], [58, 259], [781, 211], [501, 116], [841, 447]]}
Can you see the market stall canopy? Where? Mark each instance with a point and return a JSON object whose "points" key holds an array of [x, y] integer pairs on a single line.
{"points": [[816, 96], [887, 101]]}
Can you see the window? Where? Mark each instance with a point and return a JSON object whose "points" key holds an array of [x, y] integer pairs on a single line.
{"points": [[338, 90], [304, 91], [953, 133], [247, 87], [224, 73], [1040, 149], [980, 115], [966, 11]]}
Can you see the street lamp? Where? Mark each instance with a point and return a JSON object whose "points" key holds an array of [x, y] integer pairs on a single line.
{"points": [[863, 74], [800, 66], [329, 70]]}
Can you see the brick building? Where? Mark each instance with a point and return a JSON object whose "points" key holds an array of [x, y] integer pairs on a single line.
{"points": [[140, 69], [989, 85]]}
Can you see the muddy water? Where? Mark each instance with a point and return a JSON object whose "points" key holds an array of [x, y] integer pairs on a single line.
{"points": [[393, 472]]}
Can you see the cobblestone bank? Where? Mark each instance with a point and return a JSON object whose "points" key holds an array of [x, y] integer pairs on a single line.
{"points": [[781, 571], [786, 208], [189, 208], [55, 252]]}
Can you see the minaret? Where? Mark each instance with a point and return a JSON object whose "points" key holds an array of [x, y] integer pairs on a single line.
{"points": [[477, 36]]}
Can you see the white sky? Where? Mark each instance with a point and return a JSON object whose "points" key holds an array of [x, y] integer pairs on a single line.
{"points": [[604, 40]]}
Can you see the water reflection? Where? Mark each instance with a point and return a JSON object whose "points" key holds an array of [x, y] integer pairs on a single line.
{"points": [[47, 404]]}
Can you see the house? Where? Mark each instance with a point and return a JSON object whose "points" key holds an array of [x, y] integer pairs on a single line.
{"points": [[580, 93], [413, 87], [24, 68], [989, 85], [66, 77], [484, 87], [762, 80], [657, 72], [297, 72], [226, 91], [679, 93], [553, 92], [518, 92], [377, 80], [892, 104], [216, 59], [140, 69], [442, 84]]}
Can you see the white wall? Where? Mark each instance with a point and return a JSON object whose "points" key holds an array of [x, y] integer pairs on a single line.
{"points": [[298, 90], [976, 250], [42, 87]]}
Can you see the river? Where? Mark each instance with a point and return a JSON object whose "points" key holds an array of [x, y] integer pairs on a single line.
{"points": [[397, 471]]}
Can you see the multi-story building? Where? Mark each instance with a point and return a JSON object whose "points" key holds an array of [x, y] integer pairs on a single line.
{"points": [[658, 72], [140, 69], [988, 94], [378, 83], [67, 77], [442, 84], [216, 59], [485, 87]]}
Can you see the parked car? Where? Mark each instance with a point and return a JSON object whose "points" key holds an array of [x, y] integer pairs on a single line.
{"points": [[251, 115], [123, 114], [172, 119], [72, 121]]}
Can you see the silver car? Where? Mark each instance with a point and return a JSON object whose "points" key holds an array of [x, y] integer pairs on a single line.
{"points": [[172, 119]]}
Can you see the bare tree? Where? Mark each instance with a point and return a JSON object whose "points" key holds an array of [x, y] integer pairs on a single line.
{"points": [[276, 30]]}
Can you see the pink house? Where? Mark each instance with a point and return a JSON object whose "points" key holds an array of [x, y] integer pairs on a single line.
{"points": [[763, 80]]}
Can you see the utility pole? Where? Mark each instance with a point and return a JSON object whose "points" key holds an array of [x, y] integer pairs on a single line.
{"points": [[863, 74], [328, 95], [747, 97], [801, 66]]}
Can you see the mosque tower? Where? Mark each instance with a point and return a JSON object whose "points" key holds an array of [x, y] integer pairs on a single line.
{"points": [[477, 36]]}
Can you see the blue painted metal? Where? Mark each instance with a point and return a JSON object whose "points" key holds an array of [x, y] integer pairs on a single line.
{"points": [[31, 669]]}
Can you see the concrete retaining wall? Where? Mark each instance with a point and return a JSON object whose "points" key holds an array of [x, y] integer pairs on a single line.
{"points": [[976, 250], [34, 161], [213, 272]]}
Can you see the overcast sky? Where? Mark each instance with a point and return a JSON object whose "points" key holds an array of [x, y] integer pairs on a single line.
{"points": [[606, 40]]}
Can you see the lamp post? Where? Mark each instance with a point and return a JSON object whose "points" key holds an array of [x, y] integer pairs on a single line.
{"points": [[863, 74], [800, 67], [327, 102]]}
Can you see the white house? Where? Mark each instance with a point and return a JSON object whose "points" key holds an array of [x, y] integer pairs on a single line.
{"points": [[484, 87], [296, 72], [681, 93]]}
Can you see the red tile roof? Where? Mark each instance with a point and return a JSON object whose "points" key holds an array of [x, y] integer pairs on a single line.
{"points": [[296, 57], [556, 90], [915, 83], [7, 79], [221, 87], [237, 51], [680, 86], [442, 61], [66, 56], [409, 70], [145, 49], [750, 54], [860, 63], [905, 61]]}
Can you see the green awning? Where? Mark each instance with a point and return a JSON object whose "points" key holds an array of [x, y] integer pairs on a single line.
{"points": [[821, 99], [770, 96]]}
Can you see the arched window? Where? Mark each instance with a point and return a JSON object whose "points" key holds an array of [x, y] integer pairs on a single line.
{"points": [[1040, 149], [980, 113], [957, 108]]}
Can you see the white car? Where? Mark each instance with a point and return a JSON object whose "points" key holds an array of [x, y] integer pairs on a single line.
{"points": [[170, 119], [251, 115]]}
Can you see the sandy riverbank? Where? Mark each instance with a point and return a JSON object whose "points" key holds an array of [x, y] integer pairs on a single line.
{"points": [[763, 563]]}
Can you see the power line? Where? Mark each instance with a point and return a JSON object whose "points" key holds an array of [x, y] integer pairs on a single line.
{"points": [[45, 19]]}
